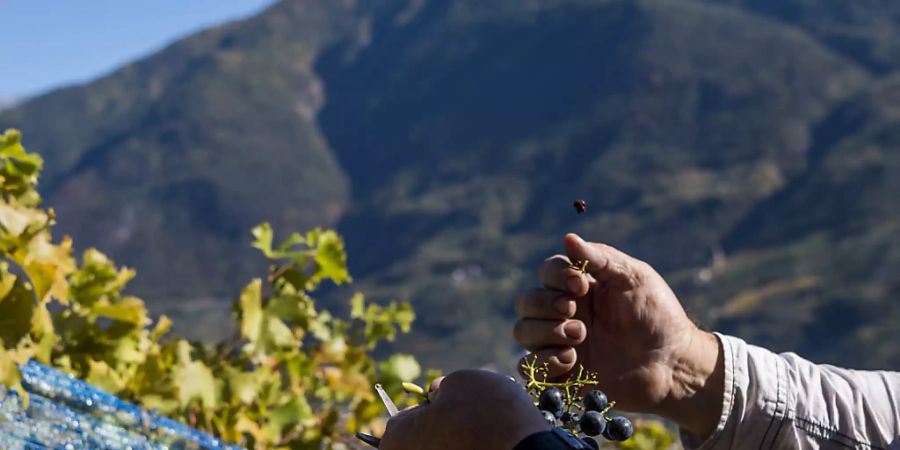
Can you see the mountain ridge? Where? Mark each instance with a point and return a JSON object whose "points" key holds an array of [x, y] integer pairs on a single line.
{"points": [[447, 141]]}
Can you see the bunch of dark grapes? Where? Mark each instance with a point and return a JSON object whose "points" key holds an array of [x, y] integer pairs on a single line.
{"points": [[588, 416]]}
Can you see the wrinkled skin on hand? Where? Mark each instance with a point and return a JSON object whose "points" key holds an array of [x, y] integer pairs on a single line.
{"points": [[620, 320]]}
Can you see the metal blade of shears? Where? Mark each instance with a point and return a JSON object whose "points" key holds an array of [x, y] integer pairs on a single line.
{"points": [[388, 403]]}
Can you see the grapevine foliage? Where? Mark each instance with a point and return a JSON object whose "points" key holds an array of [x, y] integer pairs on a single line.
{"points": [[294, 376]]}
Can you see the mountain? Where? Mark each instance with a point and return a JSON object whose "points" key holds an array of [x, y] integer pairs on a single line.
{"points": [[745, 149], [823, 253], [7, 102]]}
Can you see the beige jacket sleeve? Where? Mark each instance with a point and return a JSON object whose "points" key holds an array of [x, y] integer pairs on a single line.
{"points": [[782, 401]]}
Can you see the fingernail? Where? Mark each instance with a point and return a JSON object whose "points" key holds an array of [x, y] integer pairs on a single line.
{"points": [[572, 329], [567, 356], [574, 284], [562, 305]]}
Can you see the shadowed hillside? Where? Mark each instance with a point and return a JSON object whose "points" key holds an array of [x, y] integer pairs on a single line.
{"points": [[447, 141]]}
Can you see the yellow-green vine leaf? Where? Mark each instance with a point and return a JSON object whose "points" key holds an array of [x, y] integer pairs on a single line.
{"points": [[10, 377], [103, 376], [357, 306], [43, 329], [251, 311], [129, 310], [401, 367], [331, 260], [262, 238], [294, 411], [16, 311], [163, 325], [194, 380]]}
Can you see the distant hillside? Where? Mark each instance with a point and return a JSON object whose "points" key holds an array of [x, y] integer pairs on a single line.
{"points": [[825, 250], [867, 31], [447, 140], [6, 103]]}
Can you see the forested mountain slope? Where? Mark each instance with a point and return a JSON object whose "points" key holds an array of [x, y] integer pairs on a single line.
{"points": [[447, 141]]}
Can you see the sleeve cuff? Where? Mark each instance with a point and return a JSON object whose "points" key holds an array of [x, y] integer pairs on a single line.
{"points": [[693, 442]]}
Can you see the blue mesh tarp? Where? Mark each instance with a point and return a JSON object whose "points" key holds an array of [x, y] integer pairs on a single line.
{"points": [[65, 413]]}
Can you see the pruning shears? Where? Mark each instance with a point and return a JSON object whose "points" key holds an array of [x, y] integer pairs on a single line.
{"points": [[392, 411]]}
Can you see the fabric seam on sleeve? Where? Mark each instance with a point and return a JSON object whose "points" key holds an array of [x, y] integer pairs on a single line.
{"points": [[823, 431], [729, 393], [777, 401], [788, 412]]}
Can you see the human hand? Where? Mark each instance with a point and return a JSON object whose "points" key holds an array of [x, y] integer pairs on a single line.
{"points": [[621, 320], [468, 410]]}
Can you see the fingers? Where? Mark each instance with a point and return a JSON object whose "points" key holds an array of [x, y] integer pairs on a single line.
{"points": [[434, 388], [536, 334], [560, 360], [436, 384], [402, 430], [466, 383], [545, 304], [605, 263], [558, 273]]}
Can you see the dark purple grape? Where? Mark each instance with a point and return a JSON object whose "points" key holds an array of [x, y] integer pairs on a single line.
{"points": [[552, 400], [570, 417], [592, 423], [595, 400], [580, 206], [605, 434], [591, 443], [619, 428], [549, 417]]}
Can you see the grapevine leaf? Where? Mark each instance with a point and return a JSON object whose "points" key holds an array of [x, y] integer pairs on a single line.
{"points": [[129, 309], [330, 258], [195, 381], [10, 375], [295, 410], [10, 144], [130, 348], [103, 376], [294, 239], [357, 306], [7, 280], [16, 311], [42, 327], [320, 327], [251, 311], [49, 266], [277, 333], [161, 403], [15, 220], [163, 325], [293, 307], [401, 367], [262, 238], [244, 385]]}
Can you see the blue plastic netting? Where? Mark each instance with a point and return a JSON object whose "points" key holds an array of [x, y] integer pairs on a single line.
{"points": [[66, 413]]}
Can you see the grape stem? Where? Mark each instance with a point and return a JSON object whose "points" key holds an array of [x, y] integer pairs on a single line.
{"points": [[571, 386]]}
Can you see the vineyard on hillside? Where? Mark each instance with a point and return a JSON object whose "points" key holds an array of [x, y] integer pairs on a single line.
{"points": [[293, 377]]}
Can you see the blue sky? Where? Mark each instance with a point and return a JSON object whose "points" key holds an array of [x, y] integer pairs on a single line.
{"points": [[46, 44]]}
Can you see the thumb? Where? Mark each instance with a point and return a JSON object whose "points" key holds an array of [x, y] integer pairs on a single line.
{"points": [[605, 263]]}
